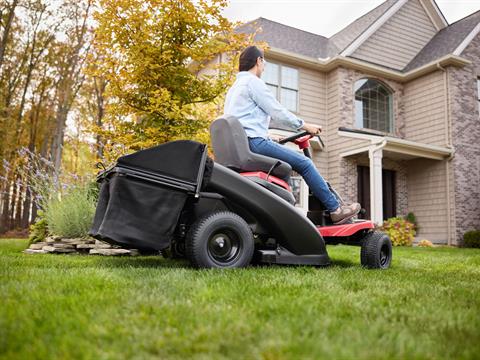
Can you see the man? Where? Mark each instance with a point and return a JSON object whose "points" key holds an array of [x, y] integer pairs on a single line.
{"points": [[253, 104]]}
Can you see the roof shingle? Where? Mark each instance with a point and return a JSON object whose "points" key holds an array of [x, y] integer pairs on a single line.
{"points": [[308, 44], [445, 41]]}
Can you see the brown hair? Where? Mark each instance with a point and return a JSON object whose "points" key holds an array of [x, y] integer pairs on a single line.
{"points": [[248, 58]]}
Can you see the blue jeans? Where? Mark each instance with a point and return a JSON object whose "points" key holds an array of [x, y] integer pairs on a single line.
{"points": [[301, 164]]}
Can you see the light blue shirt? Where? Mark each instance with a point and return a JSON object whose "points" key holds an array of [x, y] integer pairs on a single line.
{"points": [[253, 104]]}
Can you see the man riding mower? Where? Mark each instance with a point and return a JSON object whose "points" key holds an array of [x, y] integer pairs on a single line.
{"points": [[175, 199]]}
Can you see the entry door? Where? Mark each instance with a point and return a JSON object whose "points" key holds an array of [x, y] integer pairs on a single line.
{"points": [[388, 192]]}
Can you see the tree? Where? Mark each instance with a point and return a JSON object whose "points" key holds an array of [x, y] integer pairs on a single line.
{"points": [[155, 55]]}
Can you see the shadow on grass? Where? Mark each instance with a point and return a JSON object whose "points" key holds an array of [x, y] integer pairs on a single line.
{"points": [[159, 262], [344, 263]]}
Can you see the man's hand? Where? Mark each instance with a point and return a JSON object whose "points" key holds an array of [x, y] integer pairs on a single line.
{"points": [[312, 128]]}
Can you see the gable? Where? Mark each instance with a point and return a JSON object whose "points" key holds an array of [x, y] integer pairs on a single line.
{"points": [[400, 38], [346, 36]]}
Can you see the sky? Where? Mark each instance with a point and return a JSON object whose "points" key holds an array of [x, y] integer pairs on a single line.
{"points": [[326, 17]]}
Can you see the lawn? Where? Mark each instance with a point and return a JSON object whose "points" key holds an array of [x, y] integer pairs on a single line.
{"points": [[70, 306]]}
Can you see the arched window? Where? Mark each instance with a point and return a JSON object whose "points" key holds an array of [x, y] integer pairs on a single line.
{"points": [[373, 105]]}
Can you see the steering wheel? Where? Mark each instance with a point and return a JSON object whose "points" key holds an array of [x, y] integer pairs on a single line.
{"points": [[300, 138]]}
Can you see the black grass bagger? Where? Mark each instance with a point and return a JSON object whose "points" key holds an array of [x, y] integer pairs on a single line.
{"points": [[142, 197]]}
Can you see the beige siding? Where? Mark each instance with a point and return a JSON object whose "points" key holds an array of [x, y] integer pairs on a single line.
{"points": [[427, 198], [397, 41], [313, 107], [425, 109]]}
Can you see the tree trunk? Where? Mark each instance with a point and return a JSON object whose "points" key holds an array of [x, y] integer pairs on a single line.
{"points": [[6, 207], [57, 144], [6, 31], [100, 85], [18, 207], [13, 202], [25, 221]]}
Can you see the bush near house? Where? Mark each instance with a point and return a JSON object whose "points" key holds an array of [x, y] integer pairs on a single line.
{"points": [[410, 217], [400, 231], [471, 239]]}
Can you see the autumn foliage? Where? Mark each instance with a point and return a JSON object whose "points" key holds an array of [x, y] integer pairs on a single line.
{"points": [[167, 64], [400, 231], [83, 81]]}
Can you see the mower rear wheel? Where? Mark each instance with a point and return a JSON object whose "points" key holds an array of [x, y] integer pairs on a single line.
{"points": [[376, 252], [220, 240]]}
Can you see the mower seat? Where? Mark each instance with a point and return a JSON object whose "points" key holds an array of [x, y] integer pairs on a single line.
{"points": [[230, 147]]}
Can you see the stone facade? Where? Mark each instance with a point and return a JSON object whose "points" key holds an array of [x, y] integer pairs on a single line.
{"points": [[348, 77], [348, 187], [465, 135]]}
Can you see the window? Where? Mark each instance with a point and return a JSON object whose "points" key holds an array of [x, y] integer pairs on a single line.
{"points": [[283, 82], [373, 105]]}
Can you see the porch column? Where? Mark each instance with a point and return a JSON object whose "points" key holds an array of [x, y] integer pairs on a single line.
{"points": [[375, 154]]}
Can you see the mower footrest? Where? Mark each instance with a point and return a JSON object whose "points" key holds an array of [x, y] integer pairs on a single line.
{"points": [[283, 256]]}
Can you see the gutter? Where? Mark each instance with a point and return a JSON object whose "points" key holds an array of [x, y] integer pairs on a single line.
{"points": [[328, 64]]}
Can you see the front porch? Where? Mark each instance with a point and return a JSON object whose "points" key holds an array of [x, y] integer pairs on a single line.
{"points": [[397, 176]]}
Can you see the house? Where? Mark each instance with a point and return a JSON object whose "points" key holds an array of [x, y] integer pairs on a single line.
{"points": [[397, 93]]}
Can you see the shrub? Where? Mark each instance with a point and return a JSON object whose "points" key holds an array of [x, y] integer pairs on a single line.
{"points": [[400, 231], [71, 214], [411, 218], [39, 229], [425, 243], [471, 239]]}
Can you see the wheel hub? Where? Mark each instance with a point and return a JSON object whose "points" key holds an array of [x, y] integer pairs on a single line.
{"points": [[384, 255], [223, 247]]}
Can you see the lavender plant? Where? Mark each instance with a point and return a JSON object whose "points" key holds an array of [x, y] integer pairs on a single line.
{"points": [[66, 202]]}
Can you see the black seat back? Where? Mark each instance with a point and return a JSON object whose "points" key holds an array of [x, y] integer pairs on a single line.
{"points": [[230, 147]]}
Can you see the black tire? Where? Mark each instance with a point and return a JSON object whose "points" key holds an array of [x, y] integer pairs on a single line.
{"points": [[376, 252], [220, 240]]}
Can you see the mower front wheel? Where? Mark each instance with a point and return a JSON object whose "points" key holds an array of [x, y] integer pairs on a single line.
{"points": [[376, 252], [220, 240]]}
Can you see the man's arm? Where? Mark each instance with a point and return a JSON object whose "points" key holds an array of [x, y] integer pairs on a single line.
{"points": [[267, 102]]}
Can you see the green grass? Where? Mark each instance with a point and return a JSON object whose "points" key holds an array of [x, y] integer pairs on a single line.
{"points": [[62, 306]]}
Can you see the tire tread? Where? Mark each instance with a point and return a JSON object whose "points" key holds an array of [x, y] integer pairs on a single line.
{"points": [[191, 248]]}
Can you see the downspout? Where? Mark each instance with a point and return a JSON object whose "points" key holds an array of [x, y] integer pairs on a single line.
{"points": [[450, 158]]}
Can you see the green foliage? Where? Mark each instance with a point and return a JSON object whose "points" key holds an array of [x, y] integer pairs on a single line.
{"points": [[400, 231], [471, 239], [411, 218], [39, 229], [160, 59], [71, 214]]}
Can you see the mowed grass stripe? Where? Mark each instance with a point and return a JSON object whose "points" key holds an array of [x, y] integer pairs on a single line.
{"points": [[69, 306]]}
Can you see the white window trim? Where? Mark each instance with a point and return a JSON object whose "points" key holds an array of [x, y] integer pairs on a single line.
{"points": [[392, 110], [280, 87]]}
